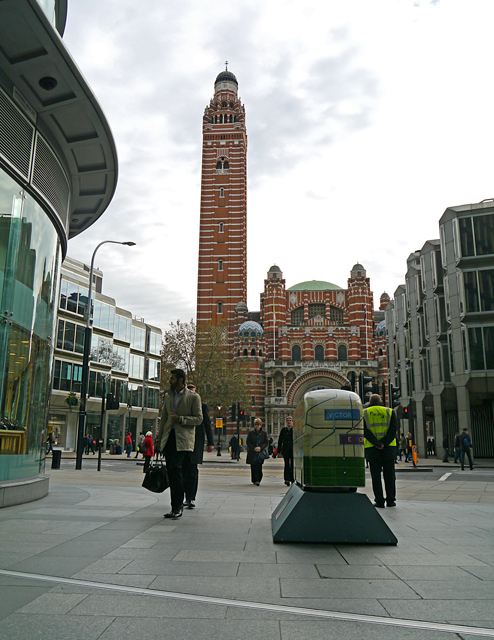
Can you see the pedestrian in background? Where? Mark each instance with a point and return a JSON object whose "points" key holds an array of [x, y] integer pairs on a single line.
{"points": [[147, 449], [257, 440], [403, 447], [456, 459], [128, 444], [465, 448], [446, 448], [139, 443], [285, 449]]}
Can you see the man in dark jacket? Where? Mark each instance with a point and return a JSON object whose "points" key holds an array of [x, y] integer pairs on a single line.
{"points": [[285, 449], [465, 447], [190, 470]]}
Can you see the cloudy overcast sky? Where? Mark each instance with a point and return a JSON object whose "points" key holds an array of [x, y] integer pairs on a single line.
{"points": [[365, 120]]}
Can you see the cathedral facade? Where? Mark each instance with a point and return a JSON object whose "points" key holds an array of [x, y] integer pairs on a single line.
{"points": [[313, 335]]}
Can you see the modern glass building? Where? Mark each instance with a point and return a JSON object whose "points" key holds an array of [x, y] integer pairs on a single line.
{"points": [[124, 362], [58, 170]]}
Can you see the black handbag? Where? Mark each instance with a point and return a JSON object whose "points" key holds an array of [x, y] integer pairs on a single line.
{"points": [[156, 477]]}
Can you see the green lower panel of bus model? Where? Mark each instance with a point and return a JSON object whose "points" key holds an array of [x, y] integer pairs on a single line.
{"points": [[334, 472]]}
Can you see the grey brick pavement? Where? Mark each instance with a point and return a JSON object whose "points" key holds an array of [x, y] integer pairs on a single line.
{"points": [[92, 530]]}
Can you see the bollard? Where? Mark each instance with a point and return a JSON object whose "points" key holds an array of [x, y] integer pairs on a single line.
{"points": [[56, 459]]}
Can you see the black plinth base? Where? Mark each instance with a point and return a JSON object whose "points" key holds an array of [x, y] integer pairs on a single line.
{"points": [[336, 518]]}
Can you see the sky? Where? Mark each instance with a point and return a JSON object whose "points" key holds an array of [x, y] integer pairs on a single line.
{"points": [[365, 121]]}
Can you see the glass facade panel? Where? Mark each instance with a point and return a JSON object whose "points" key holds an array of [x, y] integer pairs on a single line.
{"points": [[154, 343], [476, 349], [466, 236], [153, 370], [29, 265], [489, 347], [136, 368], [122, 328], [486, 282], [471, 291], [153, 398], [484, 234], [138, 339]]}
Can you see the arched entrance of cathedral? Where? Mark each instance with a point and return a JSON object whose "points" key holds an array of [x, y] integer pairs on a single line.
{"points": [[312, 380]]}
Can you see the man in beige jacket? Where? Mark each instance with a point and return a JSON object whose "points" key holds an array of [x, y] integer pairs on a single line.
{"points": [[176, 436]]}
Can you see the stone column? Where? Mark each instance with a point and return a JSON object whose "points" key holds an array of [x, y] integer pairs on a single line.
{"points": [[439, 424]]}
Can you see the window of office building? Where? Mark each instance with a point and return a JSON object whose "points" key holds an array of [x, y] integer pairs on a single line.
{"points": [[135, 395], [476, 235], [70, 336], [153, 372], [154, 343], [152, 398], [67, 376], [481, 348], [73, 298], [136, 368], [138, 338], [122, 328], [101, 349], [103, 315]]}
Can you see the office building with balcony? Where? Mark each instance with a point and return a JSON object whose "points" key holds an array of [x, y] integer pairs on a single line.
{"points": [[58, 171], [124, 362], [440, 331]]}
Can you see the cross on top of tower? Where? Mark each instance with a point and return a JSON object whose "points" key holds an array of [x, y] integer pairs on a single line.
{"points": [[226, 65]]}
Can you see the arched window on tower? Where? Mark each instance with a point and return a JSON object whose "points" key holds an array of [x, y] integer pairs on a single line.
{"points": [[220, 265], [296, 353], [222, 165], [222, 192], [245, 352], [221, 118], [342, 352], [221, 227], [220, 307], [223, 105], [253, 352], [319, 352]]}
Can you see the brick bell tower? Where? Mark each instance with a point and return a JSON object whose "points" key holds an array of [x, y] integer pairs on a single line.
{"points": [[222, 273]]}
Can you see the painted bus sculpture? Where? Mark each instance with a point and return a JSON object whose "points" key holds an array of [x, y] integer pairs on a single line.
{"points": [[328, 441]]}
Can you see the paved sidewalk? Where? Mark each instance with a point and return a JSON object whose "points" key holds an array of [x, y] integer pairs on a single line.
{"points": [[96, 560]]}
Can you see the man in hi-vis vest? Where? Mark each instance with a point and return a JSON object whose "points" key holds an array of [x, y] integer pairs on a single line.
{"points": [[380, 427]]}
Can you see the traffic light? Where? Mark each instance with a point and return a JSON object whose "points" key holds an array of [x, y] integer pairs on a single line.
{"points": [[241, 414], [406, 413], [111, 403], [394, 396], [364, 387], [233, 413]]}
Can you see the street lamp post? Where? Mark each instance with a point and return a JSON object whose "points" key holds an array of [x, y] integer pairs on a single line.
{"points": [[81, 428]]}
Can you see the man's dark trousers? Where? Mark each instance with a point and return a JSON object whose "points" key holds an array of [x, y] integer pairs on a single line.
{"points": [[288, 470], [174, 461], [382, 461]]}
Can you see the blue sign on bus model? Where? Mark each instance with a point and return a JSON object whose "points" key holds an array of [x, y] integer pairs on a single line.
{"points": [[342, 414]]}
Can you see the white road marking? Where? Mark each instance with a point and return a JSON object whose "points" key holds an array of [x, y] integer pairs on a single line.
{"points": [[444, 477], [260, 606]]}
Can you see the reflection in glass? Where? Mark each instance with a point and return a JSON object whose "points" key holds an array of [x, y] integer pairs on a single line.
{"points": [[29, 263]]}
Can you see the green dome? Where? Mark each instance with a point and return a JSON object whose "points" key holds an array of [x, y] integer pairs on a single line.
{"points": [[315, 285]]}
